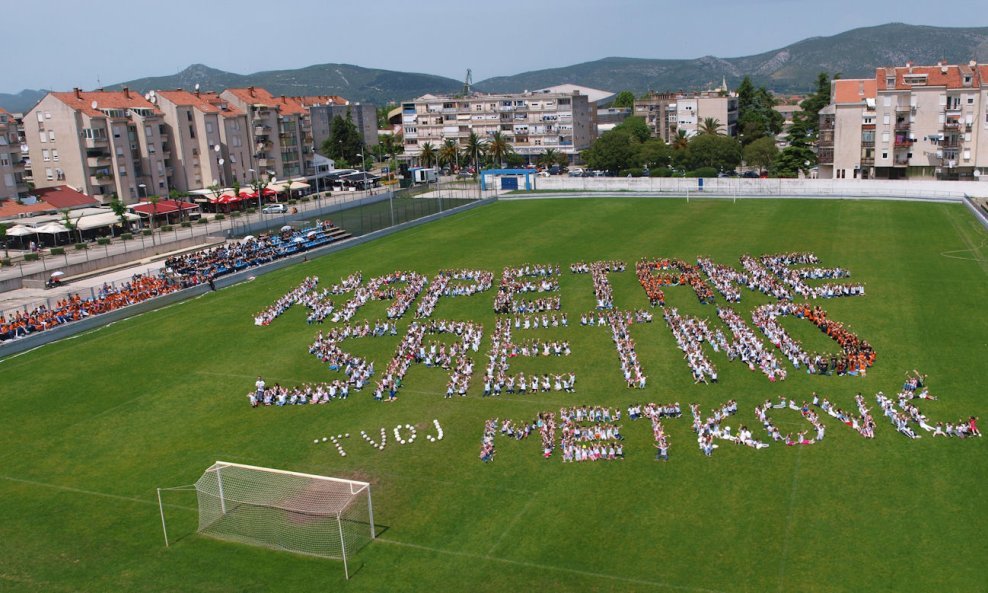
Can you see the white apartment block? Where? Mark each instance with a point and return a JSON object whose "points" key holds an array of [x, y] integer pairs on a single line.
{"points": [[210, 143], [930, 122], [12, 184], [530, 122], [668, 113], [101, 142], [846, 144]]}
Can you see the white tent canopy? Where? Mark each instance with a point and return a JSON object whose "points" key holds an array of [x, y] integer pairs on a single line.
{"points": [[20, 231], [51, 228], [101, 220]]}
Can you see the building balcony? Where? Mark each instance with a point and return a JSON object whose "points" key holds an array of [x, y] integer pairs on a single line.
{"points": [[825, 155], [905, 108], [900, 163], [96, 142], [867, 161], [101, 179], [952, 125], [262, 130], [902, 125], [903, 142]]}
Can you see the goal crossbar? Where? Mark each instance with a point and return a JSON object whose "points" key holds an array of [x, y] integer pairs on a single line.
{"points": [[222, 464]]}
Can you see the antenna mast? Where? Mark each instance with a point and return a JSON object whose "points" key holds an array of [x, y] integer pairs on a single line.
{"points": [[468, 82]]}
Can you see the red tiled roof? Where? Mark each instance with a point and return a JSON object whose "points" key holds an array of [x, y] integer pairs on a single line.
{"points": [[207, 102], [852, 90], [63, 196], [285, 105], [163, 207], [937, 76], [83, 100], [11, 209]]}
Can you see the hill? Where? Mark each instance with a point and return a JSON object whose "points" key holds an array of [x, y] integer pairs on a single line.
{"points": [[368, 85], [793, 68]]}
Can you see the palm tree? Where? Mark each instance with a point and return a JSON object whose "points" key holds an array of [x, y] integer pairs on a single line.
{"points": [[498, 148], [548, 158], [711, 126], [474, 148], [681, 140], [449, 153], [428, 154]]}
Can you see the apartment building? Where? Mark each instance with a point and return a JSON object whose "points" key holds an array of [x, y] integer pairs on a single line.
{"points": [[531, 122], [930, 123], [100, 142], [846, 142], [668, 113], [210, 142], [12, 162], [364, 116], [280, 129]]}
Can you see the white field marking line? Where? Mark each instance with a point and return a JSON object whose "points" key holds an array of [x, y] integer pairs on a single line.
{"points": [[973, 250], [97, 329], [511, 523], [586, 573], [91, 492], [48, 585], [958, 228], [792, 508]]}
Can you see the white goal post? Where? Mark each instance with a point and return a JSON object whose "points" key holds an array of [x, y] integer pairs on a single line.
{"points": [[284, 510]]}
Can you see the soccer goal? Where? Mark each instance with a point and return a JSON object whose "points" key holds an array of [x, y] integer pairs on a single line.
{"points": [[283, 510]]}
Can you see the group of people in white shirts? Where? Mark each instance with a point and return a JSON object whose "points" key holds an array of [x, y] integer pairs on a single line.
{"points": [[284, 302], [602, 290], [443, 285], [590, 433], [529, 278]]}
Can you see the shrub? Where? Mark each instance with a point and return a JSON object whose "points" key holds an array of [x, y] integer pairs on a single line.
{"points": [[58, 251], [304, 199], [166, 228], [660, 172], [146, 232], [633, 172], [5, 261], [202, 220], [186, 224], [81, 246], [292, 202], [220, 217], [235, 214], [103, 241], [127, 236], [251, 210], [31, 257], [703, 172]]}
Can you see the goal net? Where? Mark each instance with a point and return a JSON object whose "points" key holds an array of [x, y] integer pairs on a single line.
{"points": [[301, 513]]}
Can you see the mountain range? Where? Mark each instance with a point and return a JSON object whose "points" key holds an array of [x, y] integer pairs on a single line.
{"points": [[791, 69]]}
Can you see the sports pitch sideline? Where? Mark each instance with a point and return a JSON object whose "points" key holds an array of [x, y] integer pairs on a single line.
{"points": [[94, 424]]}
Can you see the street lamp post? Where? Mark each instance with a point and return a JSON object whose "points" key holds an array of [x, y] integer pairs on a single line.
{"points": [[363, 160]]}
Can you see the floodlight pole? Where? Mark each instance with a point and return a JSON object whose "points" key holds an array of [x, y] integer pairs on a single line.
{"points": [[161, 509]]}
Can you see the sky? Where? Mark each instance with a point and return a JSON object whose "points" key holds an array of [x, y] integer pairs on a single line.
{"points": [[69, 43]]}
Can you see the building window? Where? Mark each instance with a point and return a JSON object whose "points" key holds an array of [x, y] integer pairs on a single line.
{"points": [[209, 127], [45, 155], [885, 155], [192, 131], [188, 115], [148, 131], [48, 174], [54, 155], [51, 135], [43, 136], [59, 175]]}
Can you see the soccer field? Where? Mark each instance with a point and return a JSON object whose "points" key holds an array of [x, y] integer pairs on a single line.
{"points": [[92, 425]]}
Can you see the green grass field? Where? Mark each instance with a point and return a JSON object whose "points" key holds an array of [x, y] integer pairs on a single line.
{"points": [[92, 425]]}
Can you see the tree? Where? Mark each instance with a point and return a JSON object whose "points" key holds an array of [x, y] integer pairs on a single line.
{"points": [[761, 153], [757, 117], [120, 210], [792, 160], [382, 116], [681, 141], [474, 148], [711, 126], [449, 153], [719, 152], [624, 99], [427, 154], [3, 239], [344, 142], [498, 148], [654, 153], [806, 122], [635, 126], [613, 151], [548, 158]]}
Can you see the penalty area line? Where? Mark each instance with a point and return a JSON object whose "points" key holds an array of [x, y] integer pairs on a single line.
{"points": [[586, 573], [91, 492]]}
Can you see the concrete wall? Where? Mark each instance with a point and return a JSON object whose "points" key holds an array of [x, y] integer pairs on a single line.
{"points": [[918, 189]]}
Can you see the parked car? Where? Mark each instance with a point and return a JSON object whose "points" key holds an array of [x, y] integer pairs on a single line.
{"points": [[274, 209], [576, 172], [750, 175]]}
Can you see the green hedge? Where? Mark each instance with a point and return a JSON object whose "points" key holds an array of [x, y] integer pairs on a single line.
{"points": [[202, 220], [81, 246], [235, 214], [220, 217], [103, 241], [5, 261], [31, 257], [58, 251], [127, 236], [186, 223], [703, 172], [166, 228], [146, 232]]}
